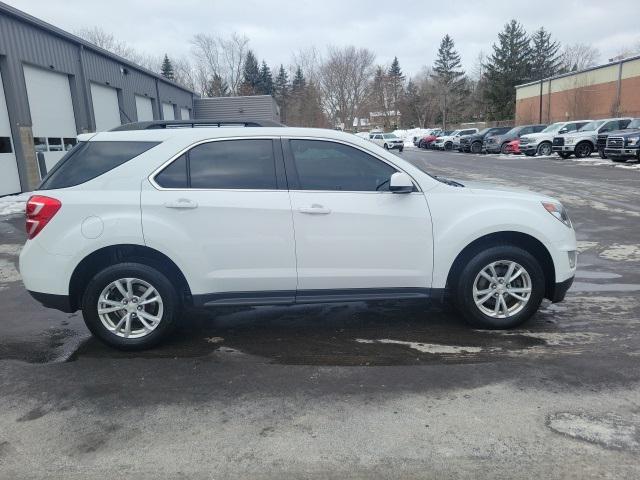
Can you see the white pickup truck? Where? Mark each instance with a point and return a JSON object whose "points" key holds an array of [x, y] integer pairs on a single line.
{"points": [[541, 143], [582, 143]]}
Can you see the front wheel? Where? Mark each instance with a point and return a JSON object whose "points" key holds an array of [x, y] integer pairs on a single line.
{"points": [[501, 287], [401, 149], [602, 154], [544, 149], [448, 146], [386, 147], [476, 147], [130, 306], [504, 149], [583, 150]]}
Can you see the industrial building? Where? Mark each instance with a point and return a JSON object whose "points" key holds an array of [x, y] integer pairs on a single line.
{"points": [[54, 85], [610, 90]]}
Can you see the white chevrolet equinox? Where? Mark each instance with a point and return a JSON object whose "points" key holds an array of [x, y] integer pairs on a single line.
{"points": [[132, 226]]}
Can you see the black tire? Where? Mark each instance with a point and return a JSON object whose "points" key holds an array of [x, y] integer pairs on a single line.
{"points": [[619, 159], [463, 287], [504, 147], [476, 147], [420, 144], [544, 149], [386, 147], [161, 284], [401, 149], [448, 146], [583, 150], [564, 155], [602, 154]]}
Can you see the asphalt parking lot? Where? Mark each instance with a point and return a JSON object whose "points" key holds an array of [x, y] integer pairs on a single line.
{"points": [[384, 390]]}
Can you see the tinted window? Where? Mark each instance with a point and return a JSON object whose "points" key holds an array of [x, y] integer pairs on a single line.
{"points": [[233, 164], [5, 145], [174, 175], [89, 160], [332, 166], [538, 128], [55, 144]]}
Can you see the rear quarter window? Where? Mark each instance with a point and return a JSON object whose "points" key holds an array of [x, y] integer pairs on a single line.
{"points": [[89, 160]]}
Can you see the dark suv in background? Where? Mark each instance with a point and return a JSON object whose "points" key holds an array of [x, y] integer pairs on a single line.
{"points": [[498, 143], [473, 143], [622, 145]]}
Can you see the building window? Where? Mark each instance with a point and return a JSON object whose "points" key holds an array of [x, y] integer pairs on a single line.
{"points": [[40, 144], [69, 143], [55, 144], [5, 145]]}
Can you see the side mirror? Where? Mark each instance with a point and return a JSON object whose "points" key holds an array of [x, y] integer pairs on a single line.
{"points": [[400, 182]]}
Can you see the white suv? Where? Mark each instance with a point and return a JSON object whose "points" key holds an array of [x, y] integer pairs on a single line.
{"points": [[133, 226], [388, 141]]}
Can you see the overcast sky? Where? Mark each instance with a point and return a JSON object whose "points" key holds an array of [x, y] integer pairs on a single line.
{"points": [[409, 29]]}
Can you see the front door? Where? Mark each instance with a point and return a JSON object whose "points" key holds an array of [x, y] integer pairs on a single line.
{"points": [[222, 210], [353, 236]]}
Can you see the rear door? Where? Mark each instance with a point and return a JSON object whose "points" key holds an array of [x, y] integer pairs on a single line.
{"points": [[222, 210], [353, 236]]}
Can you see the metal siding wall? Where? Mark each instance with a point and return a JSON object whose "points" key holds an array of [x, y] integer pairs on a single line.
{"points": [[259, 107]]}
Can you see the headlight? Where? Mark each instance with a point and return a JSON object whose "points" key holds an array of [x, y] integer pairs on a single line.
{"points": [[570, 141], [633, 140], [558, 211]]}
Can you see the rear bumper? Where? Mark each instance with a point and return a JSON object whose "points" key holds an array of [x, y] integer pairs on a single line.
{"points": [[57, 302], [560, 290]]}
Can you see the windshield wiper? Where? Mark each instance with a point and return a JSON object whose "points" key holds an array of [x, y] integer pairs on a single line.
{"points": [[449, 182]]}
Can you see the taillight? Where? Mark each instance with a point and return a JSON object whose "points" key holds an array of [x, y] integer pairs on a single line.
{"points": [[40, 210]]}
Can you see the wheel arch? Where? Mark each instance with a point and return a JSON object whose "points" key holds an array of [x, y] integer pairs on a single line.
{"points": [[518, 239], [110, 255]]}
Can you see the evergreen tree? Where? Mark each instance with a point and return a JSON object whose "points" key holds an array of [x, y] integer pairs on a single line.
{"points": [[379, 94], [299, 82], [265, 86], [449, 78], [508, 66], [217, 87], [250, 75], [545, 59], [281, 92], [395, 82], [166, 69]]}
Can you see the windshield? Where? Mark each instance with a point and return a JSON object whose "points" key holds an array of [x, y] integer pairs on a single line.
{"points": [[454, 133], [589, 127], [484, 130], [634, 123], [389, 135], [554, 127], [513, 131]]}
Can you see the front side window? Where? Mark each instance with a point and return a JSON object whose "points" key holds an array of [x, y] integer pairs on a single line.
{"points": [[591, 126], [227, 164], [323, 165]]}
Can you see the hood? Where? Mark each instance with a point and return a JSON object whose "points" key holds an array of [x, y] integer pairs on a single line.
{"points": [[578, 134], [624, 133], [537, 135], [488, 189]]}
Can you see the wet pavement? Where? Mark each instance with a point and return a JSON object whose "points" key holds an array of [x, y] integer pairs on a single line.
{"points": [[360, 390]]}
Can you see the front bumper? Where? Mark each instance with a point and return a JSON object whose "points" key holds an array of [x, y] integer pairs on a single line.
{"points": [[563, 148], [395, 146], [622, 152], [560, 290], [528, 147]]}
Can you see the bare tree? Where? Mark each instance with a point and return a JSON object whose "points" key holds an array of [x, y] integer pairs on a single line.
{"points": [[345, 76], [219, 56], [578, 57]]}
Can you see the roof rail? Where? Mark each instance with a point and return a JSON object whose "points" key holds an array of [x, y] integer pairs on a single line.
{"points": [[204, 123]]}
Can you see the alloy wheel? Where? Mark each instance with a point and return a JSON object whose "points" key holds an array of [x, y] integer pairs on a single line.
{"points": [[130, 308], [502, 289]]}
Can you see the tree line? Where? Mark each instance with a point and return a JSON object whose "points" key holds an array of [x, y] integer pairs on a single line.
{"points": [[344, 84]]}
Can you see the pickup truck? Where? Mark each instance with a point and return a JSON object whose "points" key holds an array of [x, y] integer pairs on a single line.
{"points": [[473, 143], [623, 145], [582, 143], [541, 143], [447, 142]]}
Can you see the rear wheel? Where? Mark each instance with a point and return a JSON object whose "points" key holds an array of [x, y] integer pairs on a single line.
{"points": [[500, 287], [386, 147], [504, 149], [583, 150], [544, 149], [476, 147], [130, 306]]}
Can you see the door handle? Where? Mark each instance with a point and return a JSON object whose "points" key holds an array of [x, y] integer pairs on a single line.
{"points": [[315, 209], [181, 203]]}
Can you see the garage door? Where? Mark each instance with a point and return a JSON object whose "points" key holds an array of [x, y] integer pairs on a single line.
{"points": [[144, 108], [105, 107], [53, 122], [167, 111], [184, 113], [9, 180]]}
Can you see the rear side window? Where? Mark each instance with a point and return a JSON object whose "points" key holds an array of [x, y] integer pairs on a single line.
{"points": [[89, 160], [226, 164]]}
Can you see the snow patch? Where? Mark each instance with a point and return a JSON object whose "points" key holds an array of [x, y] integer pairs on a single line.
{"points": [[10, 249], [8, 272], [425, 347], [12, 204], [608, 431], [625, 253]]}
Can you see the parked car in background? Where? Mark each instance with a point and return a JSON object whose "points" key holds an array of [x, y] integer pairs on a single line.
{"points": [[446, 142], [623, 145], [428, 140], [498, 143], [473, 143], [431, 132], [388, 141], [582, 143], [541, 143], [118, 229], [601, 142], [513, 147]]}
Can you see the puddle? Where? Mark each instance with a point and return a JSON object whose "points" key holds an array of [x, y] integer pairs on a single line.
{"points": [[604, 287], [596, 275]]}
